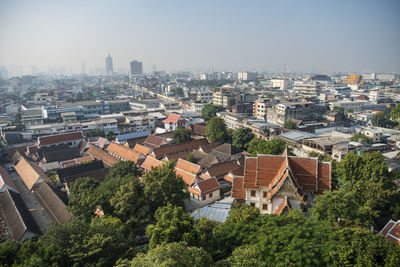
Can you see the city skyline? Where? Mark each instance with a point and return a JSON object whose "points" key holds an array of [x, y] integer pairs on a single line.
{"points": [[306, 36]]}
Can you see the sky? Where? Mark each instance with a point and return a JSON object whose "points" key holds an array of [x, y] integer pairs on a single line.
{"points": [[296, 36]]}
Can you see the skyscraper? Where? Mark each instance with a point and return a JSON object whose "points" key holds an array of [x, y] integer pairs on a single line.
{"points": [[109, 65], [136, 68]]}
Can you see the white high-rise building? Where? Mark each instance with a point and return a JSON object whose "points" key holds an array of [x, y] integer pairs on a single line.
{"points": [[247, 76]]}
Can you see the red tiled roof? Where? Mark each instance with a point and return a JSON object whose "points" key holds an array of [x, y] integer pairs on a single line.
{"points": [[220, 169], [155, 141], [392, 231], [271, 171], [160, 152], [60, 138], [123, 152], [142, 149], [102, 155], [238, 192], [198, 129], [205, 187], [173, 118], [150, 162], [188, 166]]}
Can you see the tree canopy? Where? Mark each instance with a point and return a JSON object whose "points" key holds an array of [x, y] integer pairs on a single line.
{"points": [[360, 137], [242, 137], [209, 111], [182, 135], [216, 130], [162, 186], [290, 124], [260, 146]]}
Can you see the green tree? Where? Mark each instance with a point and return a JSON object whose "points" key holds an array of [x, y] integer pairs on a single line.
{"points": [[124, 168], [110, 136], [182, 135], [341, 203], [360, 137], [173, 254], [271, 147], [204, 229], [216, 130], [95, 133], [395, 113], [100, 242], [8, 253], [17, 118], [242, 137], [82, 199], [130, 204], [107, 188], [162, 186], [190, 157], [209, 111], [173, 225], [290, 124]]}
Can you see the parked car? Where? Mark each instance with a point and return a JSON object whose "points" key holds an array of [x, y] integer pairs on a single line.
{"points": [[11, 168]]}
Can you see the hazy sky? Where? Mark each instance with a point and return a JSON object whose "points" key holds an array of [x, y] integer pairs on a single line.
{"points": [[317, 36]]}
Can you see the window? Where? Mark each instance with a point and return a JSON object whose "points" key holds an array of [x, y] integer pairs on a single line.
{"points": [[264, 193], [210, 195], [203, 198], [253, 193], [265, 207], [252, 204]]}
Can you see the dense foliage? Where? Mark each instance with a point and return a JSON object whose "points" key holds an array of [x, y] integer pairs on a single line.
{"points": [[290, 124], [260, 146], [209, 111], [182, 135], [367, 191], [360, 138], [216, 130], [242, 137]]}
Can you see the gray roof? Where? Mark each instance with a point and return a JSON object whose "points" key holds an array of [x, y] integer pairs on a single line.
{"points": [[298, 135], [52, 204], [122, 137], [217, 211], [329, 141], [16, 215]]}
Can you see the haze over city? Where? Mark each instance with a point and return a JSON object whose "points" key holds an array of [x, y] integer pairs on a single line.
{"points": [[272, 36]]}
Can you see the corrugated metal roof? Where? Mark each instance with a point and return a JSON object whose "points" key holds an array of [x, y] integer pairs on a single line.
{"points": [[217, 211], [298, 135]]}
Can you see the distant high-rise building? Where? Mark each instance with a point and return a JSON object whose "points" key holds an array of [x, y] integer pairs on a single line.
{"points": [[34, 69], [135, 68], [109, 65], [83, 68], [3, 72]]}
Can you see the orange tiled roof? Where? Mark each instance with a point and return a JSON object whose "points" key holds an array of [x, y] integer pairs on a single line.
{"points": [[142, 149], [150, 162], [30, 173], [186, 176], [188, 166], [59, 138], [271, 171], [155, 141], [123, 152], [173, 118], [102, 155]]}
